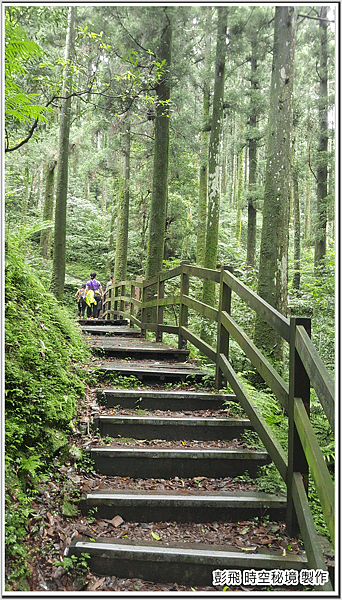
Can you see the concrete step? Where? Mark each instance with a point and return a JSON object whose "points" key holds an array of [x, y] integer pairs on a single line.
{"points": [[137, 348], [162, 400], [189, 564], [149, 370], [99, 322], [167, 463], [183, 506], [171, 428], [110, 330]]}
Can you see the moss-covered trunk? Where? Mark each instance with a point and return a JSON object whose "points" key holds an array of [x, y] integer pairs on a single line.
{"points": [[58, 263], [156, 234], [109, 260], [214, 153], [307, 219], [45, 235], [239, 197], [273, 266], [203, 173], [120, 266], [322, 170], [296, 227], [253, 157]]}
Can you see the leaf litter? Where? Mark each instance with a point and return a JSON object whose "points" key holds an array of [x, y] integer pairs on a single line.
{"points": [[50, 532]]}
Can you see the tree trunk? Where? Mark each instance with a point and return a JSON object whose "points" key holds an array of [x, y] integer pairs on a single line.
{"points": [[273, 267], [45, 234], [252, 167], [203, 182], [239, 197], [104, 195], [58, 264], [322, 170], [26, 193], [233, 168], [307, 225], [214, 153], [296, 228], [120, 266], [156, 234], [109, 261]]}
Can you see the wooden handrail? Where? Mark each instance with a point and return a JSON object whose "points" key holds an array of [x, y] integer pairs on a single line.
{"points": [[320, 378], [318, 467], [260, 306], [299, 341]]}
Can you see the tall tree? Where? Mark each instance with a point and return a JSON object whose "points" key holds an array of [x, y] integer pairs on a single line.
{"points": [[203, 181], [273, 267], [120, 265], [58, 263], [296, 222], [155, 244], [214, 153], [322, 169], [45, 234], [252, 156]]}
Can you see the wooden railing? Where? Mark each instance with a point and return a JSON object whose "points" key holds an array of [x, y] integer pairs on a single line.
{"points": [[137, 300]]}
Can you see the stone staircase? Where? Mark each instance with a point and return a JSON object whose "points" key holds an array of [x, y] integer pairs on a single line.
{"points": [[158, 560]]}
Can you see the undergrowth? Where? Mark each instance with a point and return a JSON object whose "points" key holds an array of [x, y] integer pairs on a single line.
{"points": [[43, 381]]}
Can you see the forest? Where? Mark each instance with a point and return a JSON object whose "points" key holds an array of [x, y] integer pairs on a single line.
{"points": [[138, 137]]}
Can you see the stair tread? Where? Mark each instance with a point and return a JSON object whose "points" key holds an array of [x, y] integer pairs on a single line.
{"points": [[190, 552], [188, 495], [181, 452], [135, 344], [166, 393], [163, 368], [209, 421], [120, 329]]}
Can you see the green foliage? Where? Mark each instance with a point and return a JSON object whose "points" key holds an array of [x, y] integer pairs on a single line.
{"points": [[42, 385], [86, 463], [77, 566], [17, 511], [126, 382], [20, 106], [316, 299]]}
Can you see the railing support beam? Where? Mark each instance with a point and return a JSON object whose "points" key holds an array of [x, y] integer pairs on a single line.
{"points": [[160, 310], [183, 309], [299, 387], [225, 302]]}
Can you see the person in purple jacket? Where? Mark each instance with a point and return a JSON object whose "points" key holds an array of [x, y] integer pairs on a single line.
{"points": [[94, 296]]}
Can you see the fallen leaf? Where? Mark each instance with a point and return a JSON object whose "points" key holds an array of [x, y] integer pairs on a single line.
{"points": [[155, 536], [116, 521], [96, 585]]}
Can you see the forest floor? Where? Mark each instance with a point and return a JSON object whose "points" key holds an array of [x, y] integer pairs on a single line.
{"points": [[55, 518]]}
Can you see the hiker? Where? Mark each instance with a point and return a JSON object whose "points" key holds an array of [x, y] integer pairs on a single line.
{"points": [[94, 295], [81, 301], [110, 282]]}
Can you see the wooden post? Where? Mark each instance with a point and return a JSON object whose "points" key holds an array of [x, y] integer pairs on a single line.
{"points": [[160, 309], [131, 306], [122, 300], [109, 302], [299, 387], [116, 294], [222, 347], [143, 309], [183, 309]]}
